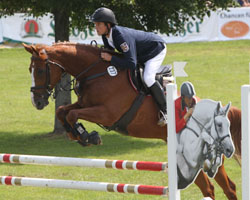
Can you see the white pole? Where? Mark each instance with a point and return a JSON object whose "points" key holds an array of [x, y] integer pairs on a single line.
{"points": [[84, 185], [83, 162], [174, 193], [245, 141], [249, 73]]}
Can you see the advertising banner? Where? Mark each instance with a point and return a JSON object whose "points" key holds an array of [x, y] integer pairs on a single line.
{"points": [[22, 28], [232, 24]]}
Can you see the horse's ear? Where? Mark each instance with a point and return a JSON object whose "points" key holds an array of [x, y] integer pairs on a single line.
{"points": [[43, 55], [226, 108], [28, 48], [217, 110], [35, 50]]}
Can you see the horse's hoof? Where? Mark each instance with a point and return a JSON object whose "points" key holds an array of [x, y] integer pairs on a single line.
{"points": [[82, 141], [94, 138]]}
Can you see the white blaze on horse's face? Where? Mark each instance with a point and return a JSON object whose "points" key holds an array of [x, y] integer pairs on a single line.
{"points": [[32, 85]]}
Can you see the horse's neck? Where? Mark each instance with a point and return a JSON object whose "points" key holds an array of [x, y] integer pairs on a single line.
{"points": [[204, 113], [72, 59]]}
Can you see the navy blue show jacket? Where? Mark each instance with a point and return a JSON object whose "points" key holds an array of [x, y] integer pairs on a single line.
{"points": [[136, 46]]}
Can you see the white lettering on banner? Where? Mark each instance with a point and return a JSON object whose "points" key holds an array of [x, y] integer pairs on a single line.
{"points": [[225, 26]]}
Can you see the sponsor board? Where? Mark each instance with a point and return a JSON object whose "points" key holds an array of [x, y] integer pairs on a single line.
{"points": [[231, 24]]}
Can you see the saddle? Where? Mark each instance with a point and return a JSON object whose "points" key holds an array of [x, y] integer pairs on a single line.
{"points": [[137, 81]]}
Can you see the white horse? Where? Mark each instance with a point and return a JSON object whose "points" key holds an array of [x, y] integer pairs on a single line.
{"points": [[205, 138]]}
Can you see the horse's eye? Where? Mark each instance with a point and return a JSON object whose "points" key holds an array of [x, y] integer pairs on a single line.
{"points": [[219, 125]]}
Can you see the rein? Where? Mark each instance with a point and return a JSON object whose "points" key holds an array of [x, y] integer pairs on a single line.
{"points": [[47, 85]]}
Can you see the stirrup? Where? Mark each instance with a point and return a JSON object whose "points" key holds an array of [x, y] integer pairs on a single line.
{"points": [[163, 120]]}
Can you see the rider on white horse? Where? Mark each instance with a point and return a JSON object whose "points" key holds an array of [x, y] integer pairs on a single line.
{"points": [[184, 105]]}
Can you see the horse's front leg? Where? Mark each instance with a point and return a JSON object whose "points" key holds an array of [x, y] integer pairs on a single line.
{"points": [[216, 163], [95, 114], [62, 111], [61, 114]]}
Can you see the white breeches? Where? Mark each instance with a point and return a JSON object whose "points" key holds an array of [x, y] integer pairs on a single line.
{"points": [[153, 66]]}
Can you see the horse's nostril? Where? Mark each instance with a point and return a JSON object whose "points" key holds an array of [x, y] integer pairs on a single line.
{"points": [[39, 105], [229, 152]]}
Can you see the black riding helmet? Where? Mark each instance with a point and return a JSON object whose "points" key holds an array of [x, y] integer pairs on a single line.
{"points": [[187, 89], [104, 15]]}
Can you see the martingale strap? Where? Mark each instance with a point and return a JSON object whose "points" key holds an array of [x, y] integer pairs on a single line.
{"points": [[124, 121]]}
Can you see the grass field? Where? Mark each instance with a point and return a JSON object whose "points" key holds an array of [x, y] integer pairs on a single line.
{"points": [[216, 69]]}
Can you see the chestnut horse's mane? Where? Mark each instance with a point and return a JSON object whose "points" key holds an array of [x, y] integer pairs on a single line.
{"points": [[234, 115], [94, 49]]}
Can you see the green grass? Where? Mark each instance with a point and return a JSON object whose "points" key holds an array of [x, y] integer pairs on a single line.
{"points": [[217, 70]]}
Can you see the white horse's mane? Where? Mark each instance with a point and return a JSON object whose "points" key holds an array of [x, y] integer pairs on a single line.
{"points": [[205, 105]]}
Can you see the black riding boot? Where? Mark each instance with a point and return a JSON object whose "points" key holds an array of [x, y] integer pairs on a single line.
{"points": [[157, 92]]}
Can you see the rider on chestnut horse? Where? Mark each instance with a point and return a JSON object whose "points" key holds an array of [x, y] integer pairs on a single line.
{"points": [[138, 47]]}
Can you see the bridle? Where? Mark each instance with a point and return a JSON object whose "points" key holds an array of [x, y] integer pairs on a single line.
{"points": [[47, 85], [217, 142], [219, 139]]}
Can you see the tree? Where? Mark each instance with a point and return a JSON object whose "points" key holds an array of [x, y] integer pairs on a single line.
{"points": [[166, 16], [61, 10]]}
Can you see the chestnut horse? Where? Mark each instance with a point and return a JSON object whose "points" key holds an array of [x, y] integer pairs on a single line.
{"points": [[103, 99]]}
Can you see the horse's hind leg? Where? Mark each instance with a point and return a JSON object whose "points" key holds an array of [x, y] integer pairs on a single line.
{"points": [[226, 184], [205, 185]]}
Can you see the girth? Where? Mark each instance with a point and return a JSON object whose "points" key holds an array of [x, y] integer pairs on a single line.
{"points": [[127, 117]]}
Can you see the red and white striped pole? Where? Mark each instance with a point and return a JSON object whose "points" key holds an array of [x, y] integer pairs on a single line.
{"points": [[85, 185], [83, 162]]}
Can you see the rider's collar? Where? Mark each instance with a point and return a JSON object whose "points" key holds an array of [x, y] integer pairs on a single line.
{"points": [[110, 34], [110, 39]]}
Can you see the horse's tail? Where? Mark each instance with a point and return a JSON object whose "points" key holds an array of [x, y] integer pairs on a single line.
{"points": [[234, 115]]}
